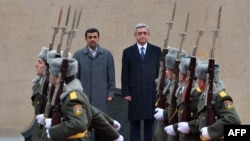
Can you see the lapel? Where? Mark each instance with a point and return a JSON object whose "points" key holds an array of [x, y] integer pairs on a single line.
{"points": [[149, 51]]}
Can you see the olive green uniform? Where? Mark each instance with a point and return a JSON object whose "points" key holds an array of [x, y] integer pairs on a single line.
{"points": [[79, 117], [224, 111], [37, 101], [194, 134], [102, 124], [159, 133], [169, 113], [76, 115]]}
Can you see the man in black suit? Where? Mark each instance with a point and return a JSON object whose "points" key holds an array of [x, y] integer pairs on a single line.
{"points": [[140, 68]]}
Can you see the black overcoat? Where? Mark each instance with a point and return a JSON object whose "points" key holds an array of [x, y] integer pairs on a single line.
{"points": [[138, 80]]}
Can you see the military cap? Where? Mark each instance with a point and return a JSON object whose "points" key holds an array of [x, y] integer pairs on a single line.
{"points": [[202, 69], [171, 57], [56, 63], [53, 54], [43, 53], [185, 62]]}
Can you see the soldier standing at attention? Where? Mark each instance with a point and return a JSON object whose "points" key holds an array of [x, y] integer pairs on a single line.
{"points": [[37, 98], [140, 67]]}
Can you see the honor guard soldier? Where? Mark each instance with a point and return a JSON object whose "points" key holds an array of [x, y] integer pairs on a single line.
{"points": [[74, 107], [37, 98], [186, 103], [222, 106]]}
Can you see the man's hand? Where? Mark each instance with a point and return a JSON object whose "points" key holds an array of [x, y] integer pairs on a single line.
{"points": [[127, 98], [109, 98]]}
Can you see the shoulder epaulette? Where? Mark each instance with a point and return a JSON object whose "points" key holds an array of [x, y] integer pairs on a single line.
{"points": [[73, 95], [198, 89], [222, 94]]}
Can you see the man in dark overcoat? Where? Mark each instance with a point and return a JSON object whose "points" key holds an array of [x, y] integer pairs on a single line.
{"points": [[140, 68]]}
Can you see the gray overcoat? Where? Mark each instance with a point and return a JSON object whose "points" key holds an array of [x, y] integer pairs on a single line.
{"points": [[97, 75]]}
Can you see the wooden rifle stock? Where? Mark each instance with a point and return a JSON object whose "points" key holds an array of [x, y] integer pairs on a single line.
{"points": [[173, 106], [45, 83], [210, 76], [209, 93], [186, 115], [161, 98], [55, 103]]}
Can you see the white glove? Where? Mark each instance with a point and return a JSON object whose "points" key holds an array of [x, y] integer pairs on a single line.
{"points": [[183, 127], [170, 130], [116, 125], [204, 133], [159, 114], [120, 138], [40, 119], [48, 123], [48, 135]]}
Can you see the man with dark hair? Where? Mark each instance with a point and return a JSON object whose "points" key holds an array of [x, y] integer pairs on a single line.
{"points": [[96, 71]]}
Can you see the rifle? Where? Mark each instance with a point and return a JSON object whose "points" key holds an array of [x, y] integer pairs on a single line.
{"points": [[161, 98], [48, 112], [186, 115], [46, 75], [55, 103], [210, 77], [173, 108]]}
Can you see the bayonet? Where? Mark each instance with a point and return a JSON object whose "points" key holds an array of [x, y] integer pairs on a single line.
{"points": [[161, 99], [56, 29], [67, 18], [219, 18], [78, 20], [63, 33], [187, 21], [200, 32], [183, 37], [74, 20], [216, 31], [173, 14], [170, 24], [210, 78]]}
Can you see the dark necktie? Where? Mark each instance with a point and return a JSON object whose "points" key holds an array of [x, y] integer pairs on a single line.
{"points": [[142, 53]]}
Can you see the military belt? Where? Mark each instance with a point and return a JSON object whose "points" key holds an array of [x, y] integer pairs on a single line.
{"points": [[79, 135]]}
